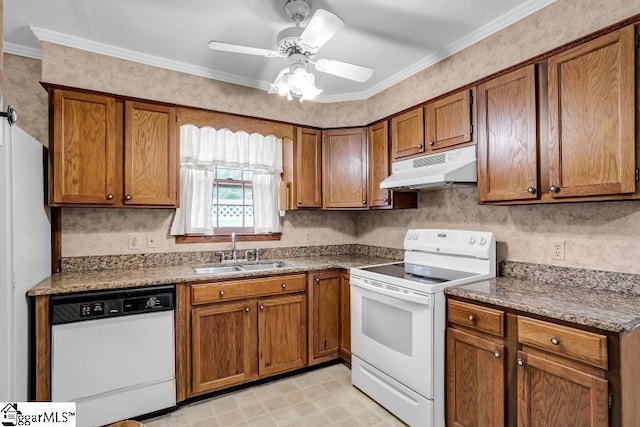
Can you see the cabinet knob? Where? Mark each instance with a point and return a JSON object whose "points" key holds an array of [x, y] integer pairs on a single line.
{"points": [[497, 354], [261, 307], [284, 285], [471, 318], [554, 189], [109, 196], [299, 201], [520, 362], [364, 202], [127, 197], [555, 341], [385, 200], [221, 293], [247, 309], [531, 190], [419, 146], [432, 143], [317, 280]]}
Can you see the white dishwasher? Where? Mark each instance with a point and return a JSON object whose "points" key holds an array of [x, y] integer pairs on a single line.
{"points": [[113, 353]]}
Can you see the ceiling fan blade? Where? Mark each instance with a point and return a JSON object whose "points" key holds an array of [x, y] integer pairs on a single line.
{"points": [[322, 26], [346, 70], [236, 48]]}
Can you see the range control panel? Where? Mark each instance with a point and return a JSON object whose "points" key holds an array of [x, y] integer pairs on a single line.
{"points": [[455, 242]]}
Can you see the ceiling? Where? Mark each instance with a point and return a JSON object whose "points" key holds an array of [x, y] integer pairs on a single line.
{"points": [[396, 38]]}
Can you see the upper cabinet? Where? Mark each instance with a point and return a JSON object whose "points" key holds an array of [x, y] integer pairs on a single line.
{"points": [[308, 168], [407, 134], [591, 117], [150, 155], [84, 149], [109, 152], [345, 173], [449, 122], [507, 137], [379, 169]]}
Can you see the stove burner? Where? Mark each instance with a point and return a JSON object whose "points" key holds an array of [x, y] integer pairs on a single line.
{"points": [[418, 273]]}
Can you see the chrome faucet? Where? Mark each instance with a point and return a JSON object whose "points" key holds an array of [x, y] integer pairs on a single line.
{"points": [[234, 254]]}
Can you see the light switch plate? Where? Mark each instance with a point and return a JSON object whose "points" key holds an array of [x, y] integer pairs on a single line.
{"points": [[152, 241]]}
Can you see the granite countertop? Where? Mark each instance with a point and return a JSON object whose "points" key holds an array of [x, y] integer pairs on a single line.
{"points": [[602, 309], [98, 280]]}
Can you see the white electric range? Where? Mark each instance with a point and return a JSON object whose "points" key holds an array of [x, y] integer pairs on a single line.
{"points": [[398, 319]]}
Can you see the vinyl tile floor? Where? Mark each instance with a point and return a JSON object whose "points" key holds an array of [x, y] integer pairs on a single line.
{"points": [[323, 397]]}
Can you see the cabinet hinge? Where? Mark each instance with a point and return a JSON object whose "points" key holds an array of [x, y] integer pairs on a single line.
{"points": [[471, 128], [637, 174], [610, 400]]}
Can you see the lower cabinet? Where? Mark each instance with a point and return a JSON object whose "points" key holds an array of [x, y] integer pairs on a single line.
{"points": [[505, 368], [324, 316], [238, 341], [475, 380]]}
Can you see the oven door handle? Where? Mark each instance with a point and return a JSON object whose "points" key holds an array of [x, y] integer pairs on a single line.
{"points": [[412, 297]]}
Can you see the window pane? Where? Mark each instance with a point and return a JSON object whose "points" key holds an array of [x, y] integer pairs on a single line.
{"points": [[247, 175], [248, 195], [226, 173], [230, 216], [230, 194], [248, 216]]}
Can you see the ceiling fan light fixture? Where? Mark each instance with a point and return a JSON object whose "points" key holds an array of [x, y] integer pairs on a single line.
{"points": [[295, 82]]}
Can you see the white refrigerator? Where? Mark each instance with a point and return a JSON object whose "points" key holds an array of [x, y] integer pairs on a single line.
{"points": [[25, 251]]}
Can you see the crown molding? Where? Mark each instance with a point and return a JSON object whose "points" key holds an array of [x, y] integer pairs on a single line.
{"points": [[475, 36], [21, 50]]}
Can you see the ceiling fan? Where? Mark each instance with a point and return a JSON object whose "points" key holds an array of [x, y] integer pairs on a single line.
{"points": [[300, 46]]}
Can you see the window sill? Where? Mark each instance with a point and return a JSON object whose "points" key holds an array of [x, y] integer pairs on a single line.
{"points": [[227, 238]]}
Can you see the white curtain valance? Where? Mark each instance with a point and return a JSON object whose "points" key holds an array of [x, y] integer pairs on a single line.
{"points": [[210, 147], [201, 149]]}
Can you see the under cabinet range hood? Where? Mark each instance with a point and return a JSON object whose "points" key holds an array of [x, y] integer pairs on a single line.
{"points": [[434, 170]]}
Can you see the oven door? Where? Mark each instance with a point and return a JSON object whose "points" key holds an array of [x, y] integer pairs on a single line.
{"points": [[392, 330]]}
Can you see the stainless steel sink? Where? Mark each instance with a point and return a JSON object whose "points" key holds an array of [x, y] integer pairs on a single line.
{"points": [[265, 266], [217, 270]]}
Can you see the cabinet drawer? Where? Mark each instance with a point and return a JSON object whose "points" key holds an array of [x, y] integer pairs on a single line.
{"points": [[580, 345], [237, 289], [474, 316]]}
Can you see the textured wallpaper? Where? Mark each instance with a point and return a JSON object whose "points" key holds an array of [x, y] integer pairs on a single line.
{"points": [[597, 235], [22, 90]]}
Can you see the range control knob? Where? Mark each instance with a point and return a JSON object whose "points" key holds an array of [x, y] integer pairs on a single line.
{"points": [[415, 237], [483, 241], [151, 302], [472, 240]]}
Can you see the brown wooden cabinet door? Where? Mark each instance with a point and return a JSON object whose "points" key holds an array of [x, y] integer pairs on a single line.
{"points": [[379, 164], [344, 162], [84, 149], [308, 168], [475, 381], [551, 394], [345, 317], [591, 117], [448, 121], [325, 316], [282, 334], [222, 344], [507, 137], [407, 134], [150, 155]]}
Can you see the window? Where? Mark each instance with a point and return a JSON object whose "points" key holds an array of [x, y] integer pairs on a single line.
{"points": [[229, 182], [232, 201]]}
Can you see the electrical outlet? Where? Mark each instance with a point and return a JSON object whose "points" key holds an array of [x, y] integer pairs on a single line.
{"points": [[152, 241], [136, 241], [557, 250]]}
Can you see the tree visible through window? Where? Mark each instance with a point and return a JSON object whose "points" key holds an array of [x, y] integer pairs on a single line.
{"points": [[232, 206]]}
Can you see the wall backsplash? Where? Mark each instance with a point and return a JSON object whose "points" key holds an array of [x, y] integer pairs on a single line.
{"points": [[93, 231], [600, 235]]}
